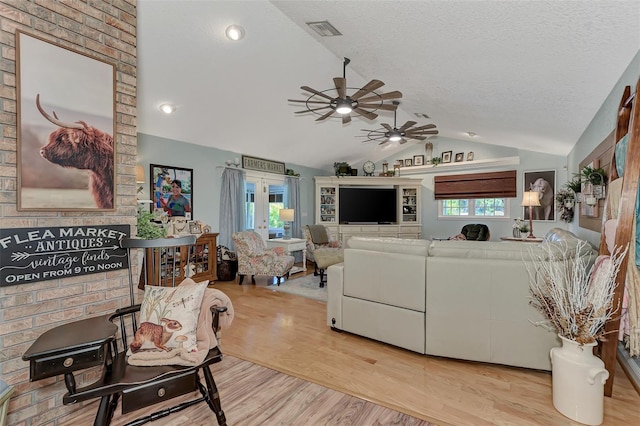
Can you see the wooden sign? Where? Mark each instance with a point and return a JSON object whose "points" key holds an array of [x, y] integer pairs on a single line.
{"points": [[262, 165], [29, 255]]}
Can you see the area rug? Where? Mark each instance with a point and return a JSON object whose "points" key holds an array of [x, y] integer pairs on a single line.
{"points": [[307, 286]]}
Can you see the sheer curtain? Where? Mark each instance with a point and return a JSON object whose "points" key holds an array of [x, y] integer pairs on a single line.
{"points": [[293, 202], [231, 206]]}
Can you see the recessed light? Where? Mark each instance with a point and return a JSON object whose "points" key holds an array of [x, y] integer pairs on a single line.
{"points": [[167, 108], [234, 32]]}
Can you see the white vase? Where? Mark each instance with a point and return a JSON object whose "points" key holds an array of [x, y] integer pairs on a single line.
{"points": [[516, 233], [578, 379]]}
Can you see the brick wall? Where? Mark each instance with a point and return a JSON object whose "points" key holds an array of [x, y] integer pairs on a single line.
{"points": [[106, 30]]}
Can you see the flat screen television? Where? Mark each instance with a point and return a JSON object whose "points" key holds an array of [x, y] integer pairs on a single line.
{"points": [[367, 205]]}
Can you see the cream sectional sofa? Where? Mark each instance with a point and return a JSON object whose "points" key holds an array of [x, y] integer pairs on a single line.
{"points": [[459, 299]]}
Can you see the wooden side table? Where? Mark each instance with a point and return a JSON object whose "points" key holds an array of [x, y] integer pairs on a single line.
{"points": [[522, 239], [289, 246]]}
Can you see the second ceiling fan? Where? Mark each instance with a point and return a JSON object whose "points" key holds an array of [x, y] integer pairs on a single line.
{"points": [[401, 134], [363, 102]]}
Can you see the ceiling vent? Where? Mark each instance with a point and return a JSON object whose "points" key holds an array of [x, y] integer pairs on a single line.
{"points": [[324, 28], [421, 115]]}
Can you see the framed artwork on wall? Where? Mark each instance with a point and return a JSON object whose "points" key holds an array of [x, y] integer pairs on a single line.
{"points": [[172, 190], [470, 156], [418, 160], [66, 122], [446, 156], [544, 182], [459, 157], [407, 162]]}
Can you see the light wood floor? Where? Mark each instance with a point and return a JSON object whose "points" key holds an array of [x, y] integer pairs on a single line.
{"points": [[288, 333]]}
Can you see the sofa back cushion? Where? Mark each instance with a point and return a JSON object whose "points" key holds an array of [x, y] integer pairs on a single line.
{"points": [[507, 250], [390, 245]]}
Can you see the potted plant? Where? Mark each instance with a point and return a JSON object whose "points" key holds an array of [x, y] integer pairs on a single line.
{"points": [[342, 168], [565, 200], [147, 228], [519, 226], [576, 300], [595, 176], [436, 160]]}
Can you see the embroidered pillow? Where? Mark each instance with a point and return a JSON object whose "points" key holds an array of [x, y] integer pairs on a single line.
{"points": [[169, 317]]}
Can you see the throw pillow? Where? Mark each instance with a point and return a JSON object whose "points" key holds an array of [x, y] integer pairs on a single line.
{"points": [[169, 317]]}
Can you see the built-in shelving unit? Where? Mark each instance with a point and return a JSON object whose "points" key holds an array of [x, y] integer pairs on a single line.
{"points": [[408, 204]]}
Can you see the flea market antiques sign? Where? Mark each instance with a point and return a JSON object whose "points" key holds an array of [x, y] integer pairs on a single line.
{"points": [[261, 165], [30, 255]]}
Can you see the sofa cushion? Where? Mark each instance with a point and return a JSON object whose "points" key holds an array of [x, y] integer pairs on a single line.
{"points": [[507, 250], [390, 245]]}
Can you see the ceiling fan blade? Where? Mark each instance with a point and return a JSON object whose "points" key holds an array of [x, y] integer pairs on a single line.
{"points": [[386, 126], [420, 138], [422, 132], [312, 110], [383, 142], [341, 86], [403, 140], [383, 96], [368, 114], [315, 92], [367, 88], [325, 116], [346, 119], [406, 125], [386, 107], [425, 127], [308, 101]]}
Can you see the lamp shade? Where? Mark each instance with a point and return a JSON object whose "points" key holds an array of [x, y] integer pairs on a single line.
{"points": [[286, 215], [139, 174], [530, 199]]}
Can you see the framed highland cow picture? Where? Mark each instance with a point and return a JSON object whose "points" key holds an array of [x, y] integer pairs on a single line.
{"points": [[66, 124]]}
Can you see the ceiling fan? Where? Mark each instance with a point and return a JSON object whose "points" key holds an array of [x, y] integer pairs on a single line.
{"points": [[402, 134], [363, 102]]}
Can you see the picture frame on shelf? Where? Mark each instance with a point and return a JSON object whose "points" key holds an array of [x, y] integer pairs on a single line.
{"points": [[446, 156], [408, 162], [160, 185], [194, 227], [57, 88], [418, 160], [542, 181], [470, 156], [459, 157], [399, 162]]}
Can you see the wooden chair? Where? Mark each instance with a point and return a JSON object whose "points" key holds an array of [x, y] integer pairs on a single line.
{"points": [[102, 341]]}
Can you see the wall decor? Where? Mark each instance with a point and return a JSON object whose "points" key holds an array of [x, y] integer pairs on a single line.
{"points": [[544, 182], [30, 255], [194, 227], [459, 157], [446, 156], [408, 162], [470, 156], [262, 165], [399, 162], [162, 187], [64, 96], [418, 160]]}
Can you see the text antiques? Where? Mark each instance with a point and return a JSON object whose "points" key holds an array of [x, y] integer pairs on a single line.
{"points": [[30, 255]]}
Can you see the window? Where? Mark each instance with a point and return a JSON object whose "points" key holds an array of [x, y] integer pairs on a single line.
{"points": [[276, 202], [479, 207]]}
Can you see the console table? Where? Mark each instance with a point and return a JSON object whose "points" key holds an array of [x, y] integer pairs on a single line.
{"points": [[522, 239], [289, 246]]}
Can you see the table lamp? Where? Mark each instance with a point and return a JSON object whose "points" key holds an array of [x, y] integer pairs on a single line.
{"points": [[530, 199], [286, 215]]}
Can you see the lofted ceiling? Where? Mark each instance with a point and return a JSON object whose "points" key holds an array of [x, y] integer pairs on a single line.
{"points": [[523, 74]]}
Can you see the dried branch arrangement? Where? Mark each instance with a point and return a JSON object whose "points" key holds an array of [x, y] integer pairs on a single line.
{"points": [[576, 300]]}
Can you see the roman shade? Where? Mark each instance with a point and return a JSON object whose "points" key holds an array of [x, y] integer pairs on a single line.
{"points": [[476, 185]]}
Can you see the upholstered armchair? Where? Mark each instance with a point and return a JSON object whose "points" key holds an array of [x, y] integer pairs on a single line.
{"points": [[254, 258], [476, 232], [321, 250]]}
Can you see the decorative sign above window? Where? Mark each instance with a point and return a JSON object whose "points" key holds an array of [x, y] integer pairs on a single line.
{"points": [[262, 165], [30, 255]]}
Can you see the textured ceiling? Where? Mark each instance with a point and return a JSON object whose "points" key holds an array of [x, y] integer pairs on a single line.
{"points": [[524, 74]]}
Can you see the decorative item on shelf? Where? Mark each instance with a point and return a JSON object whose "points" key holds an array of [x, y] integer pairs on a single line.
{"points": [[287, 216], [408, 162], [519, 226], [235, 163], [342, 168], [385, 167], [291, 172], [368, 168], [530, 199], [459, 157], [396, 169], [418, 160], [446, 156], [575, 185], [428, 148], [565, 202], [576, 302], [470, 156], [436, 160]]}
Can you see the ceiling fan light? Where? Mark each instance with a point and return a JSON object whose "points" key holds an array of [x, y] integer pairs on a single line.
{"points": [[234, 32], [395, 136], [343, 106]]}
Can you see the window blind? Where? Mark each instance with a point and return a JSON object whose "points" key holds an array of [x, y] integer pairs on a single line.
{"points": [[476, 185]]}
